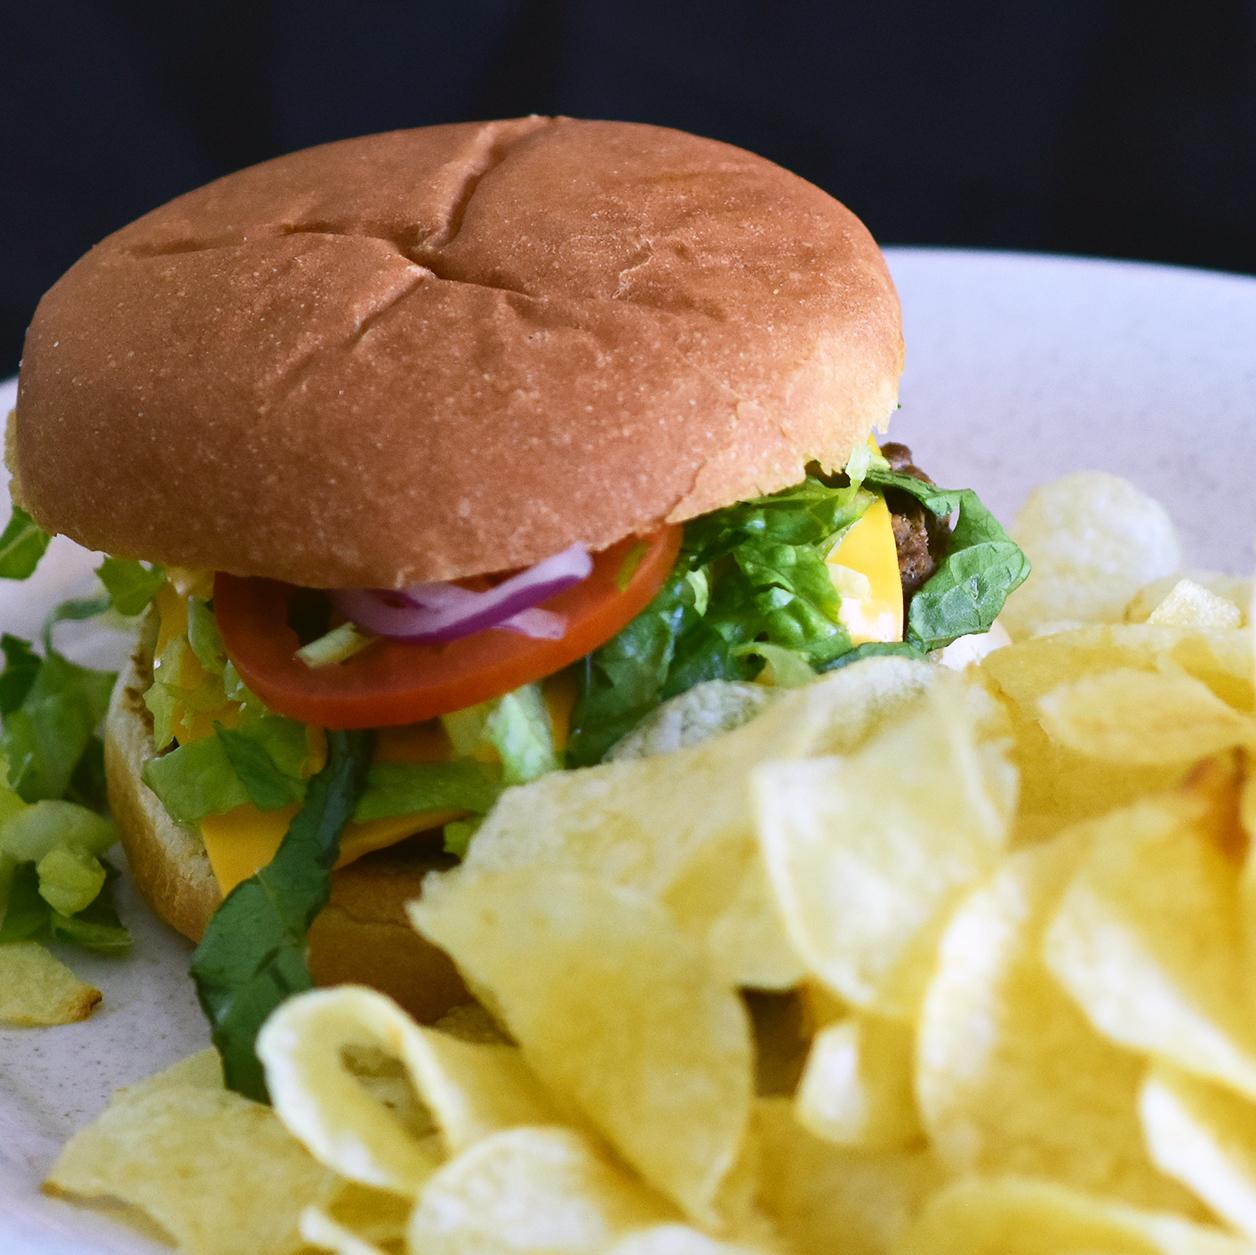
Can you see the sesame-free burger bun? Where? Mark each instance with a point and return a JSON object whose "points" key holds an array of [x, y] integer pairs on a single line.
{"points": [[362, 935], [449, 351]]}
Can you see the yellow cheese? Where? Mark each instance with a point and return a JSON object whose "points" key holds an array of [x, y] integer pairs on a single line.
{"points": [[864, 569]]}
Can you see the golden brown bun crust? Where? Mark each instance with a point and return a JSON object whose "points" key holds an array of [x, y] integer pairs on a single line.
{"points": [[362, 935], [452, 350]]}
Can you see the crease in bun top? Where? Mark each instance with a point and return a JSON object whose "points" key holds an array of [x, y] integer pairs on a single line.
{"points": [[491, 438]]}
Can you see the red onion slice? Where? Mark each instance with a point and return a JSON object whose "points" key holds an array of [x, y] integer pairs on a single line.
{"points": [[433, 613], [541, 625]]}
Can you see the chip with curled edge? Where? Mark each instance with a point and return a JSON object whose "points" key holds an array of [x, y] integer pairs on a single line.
{"points": [[471, 1089]]}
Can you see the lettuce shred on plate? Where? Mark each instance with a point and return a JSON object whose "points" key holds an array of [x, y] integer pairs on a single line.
{"points": [[751, 591], [54, 879]]}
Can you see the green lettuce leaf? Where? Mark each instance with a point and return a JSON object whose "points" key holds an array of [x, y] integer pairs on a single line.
{"points": [[25, 913], [516, 726], [96, 927], [52, 880], [22, 544], [457, 835], [30, 832], [21, 666], [754, 573], [269, 786], [982, 566], [254, 951], [408, 788], [77, 609], [131, 585], [203, 636], [51, 728], [260, 763], [70, 878]]}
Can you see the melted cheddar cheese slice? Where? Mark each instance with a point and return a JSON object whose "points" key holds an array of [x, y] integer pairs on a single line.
{"points": [[864, 569]]}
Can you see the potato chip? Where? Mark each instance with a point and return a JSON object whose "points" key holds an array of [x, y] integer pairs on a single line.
{"points": [[1060, 786], [857, 1087], [1017, 1216], [1204, 1136], [1147, 938], [37, 988], [867, 852], [1011, 1076], [1094, 540], [202, 1070], [1149, 718], [190, 1157], [358, 1220], [471, 1089], [678, 827], [676, 1239], [825, 1198], [615, 1010], [1198, 599], [325, 1232], [1189, 604], [530, 1191]]}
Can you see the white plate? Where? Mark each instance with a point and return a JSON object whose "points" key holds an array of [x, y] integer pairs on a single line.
{"points": [[1019, 368]]}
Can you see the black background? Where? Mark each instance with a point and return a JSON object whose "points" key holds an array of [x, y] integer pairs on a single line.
{"points": [[1087, 126]]}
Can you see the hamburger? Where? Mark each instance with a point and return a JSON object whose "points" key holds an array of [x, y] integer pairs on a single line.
{"points": [[448, 457]]}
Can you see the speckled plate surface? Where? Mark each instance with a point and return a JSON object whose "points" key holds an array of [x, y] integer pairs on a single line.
{"points": [[1019, 368]]}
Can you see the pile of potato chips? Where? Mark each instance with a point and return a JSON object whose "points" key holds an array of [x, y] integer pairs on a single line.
{"points": [[1001, 929]]}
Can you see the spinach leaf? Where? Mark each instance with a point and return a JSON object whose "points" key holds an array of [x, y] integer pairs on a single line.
{"points": [[874, 649], [982, 566], [22, 544], [254, 952]]}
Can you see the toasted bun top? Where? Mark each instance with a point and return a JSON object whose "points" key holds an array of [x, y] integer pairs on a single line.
{"points": [[451, 351]]}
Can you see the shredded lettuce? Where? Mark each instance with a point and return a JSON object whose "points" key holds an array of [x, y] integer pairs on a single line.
{"points": [[203, 638], [70, 878], [131, 585], [458, 833], [29, 833], [51, 712], [783, 668], [53, 881], [260, 762], [515, 726], [335, 646], [22, 543], [408, 788]]}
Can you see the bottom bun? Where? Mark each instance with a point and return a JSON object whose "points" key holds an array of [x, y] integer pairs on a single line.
{"points": [[362, 935]]}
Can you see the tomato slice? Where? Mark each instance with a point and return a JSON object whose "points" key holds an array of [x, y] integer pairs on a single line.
{"points": [[395, 682]]}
